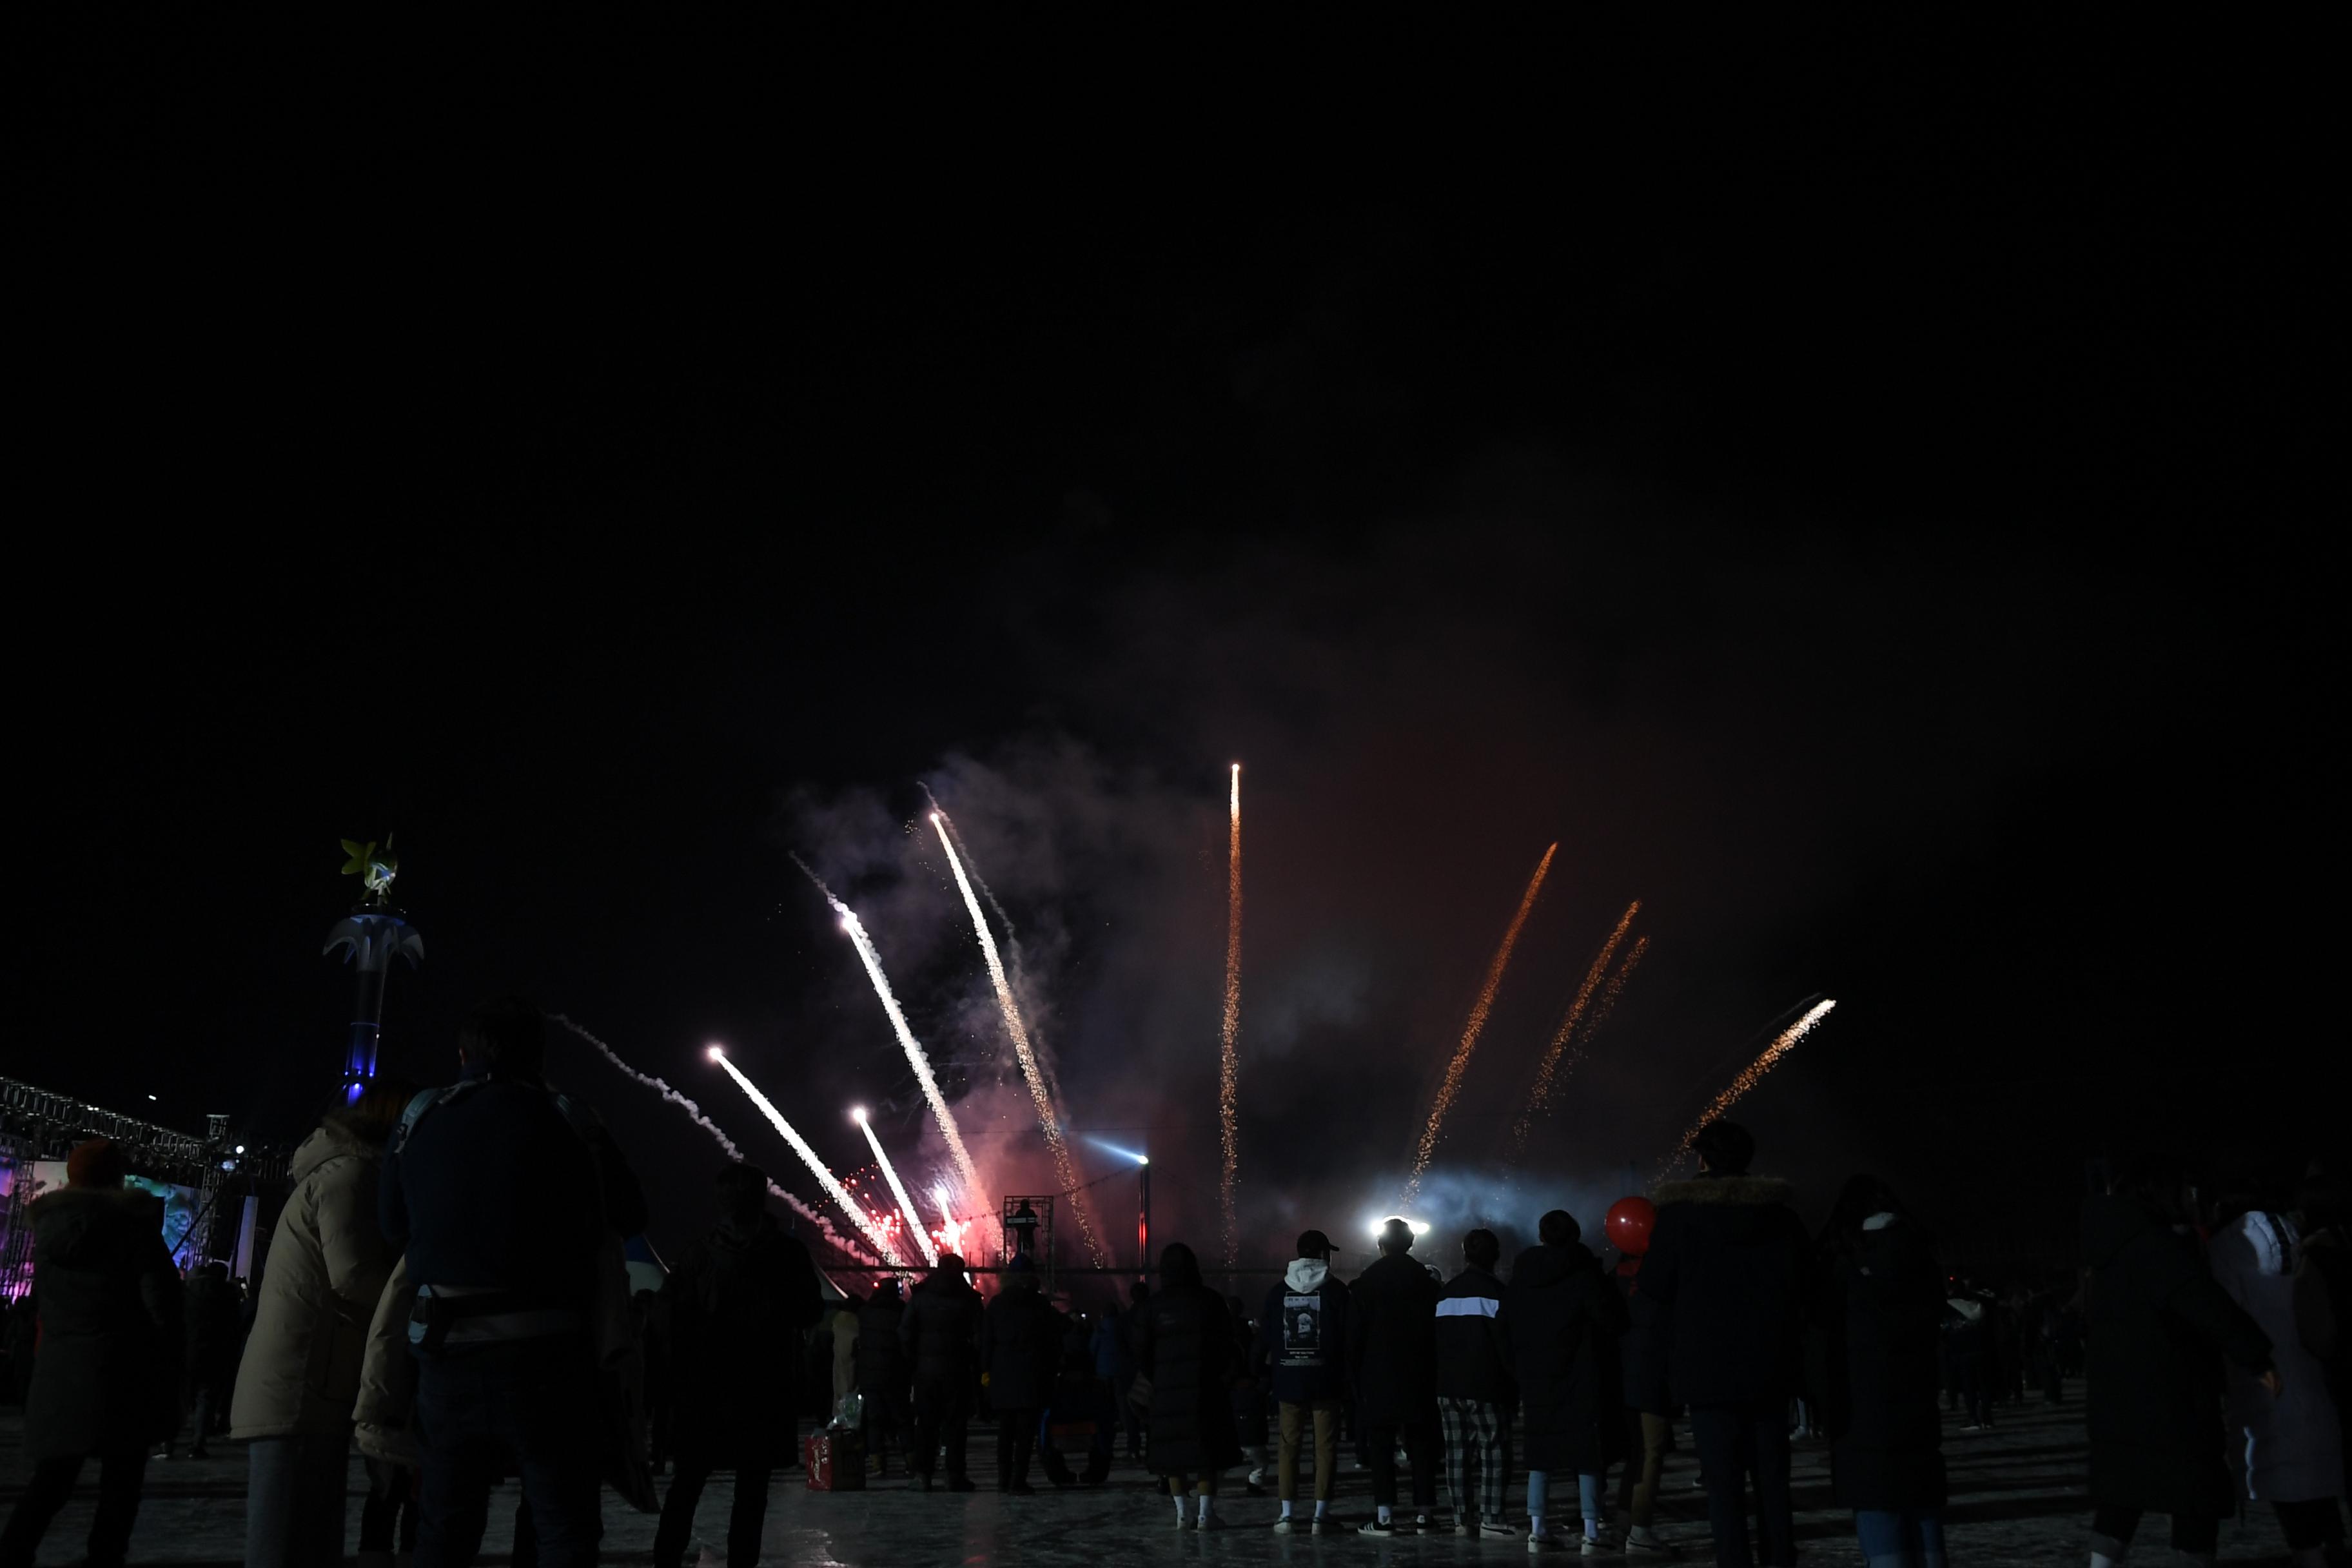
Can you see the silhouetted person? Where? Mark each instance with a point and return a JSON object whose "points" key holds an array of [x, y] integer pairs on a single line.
{"points": [[1880, 1304], [501, 1202], [1392, 1362], [1732, 1266], [1020, 1347], [941, 1330], [2292, 1440], [1247, 1381], [1304, 1331], [106, 1383], [300, 1376], [1558, 1331], [741, 1296], [1185, 1348], [213, 1321], [1476, 1395], [2159, 1327], [882, 1372]]}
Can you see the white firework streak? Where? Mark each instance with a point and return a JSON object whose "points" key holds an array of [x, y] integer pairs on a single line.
{"points": [[899, 1190], [718, 1133], [1229, 1059], [1011, 937], [1782, 1044], [834, 1189], [1049, 1113]]}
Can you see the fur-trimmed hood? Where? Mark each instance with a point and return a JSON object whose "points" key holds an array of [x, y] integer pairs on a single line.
{"points": [[1747, 1192]]}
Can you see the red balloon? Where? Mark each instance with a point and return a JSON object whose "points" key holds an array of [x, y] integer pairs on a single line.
{"points": [[1629, 1224]]}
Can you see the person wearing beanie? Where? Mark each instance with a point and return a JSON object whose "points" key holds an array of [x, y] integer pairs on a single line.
{"points": [[1020, 1346], [1732, 1266], [106, 1383], [1305, 1329]]}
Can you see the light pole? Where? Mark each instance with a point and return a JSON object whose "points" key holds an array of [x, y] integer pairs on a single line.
{"points": [[372, 933], [1143, 1215]]}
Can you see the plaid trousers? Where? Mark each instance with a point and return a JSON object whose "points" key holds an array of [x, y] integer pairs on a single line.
{"points": [[1488, 1426]]}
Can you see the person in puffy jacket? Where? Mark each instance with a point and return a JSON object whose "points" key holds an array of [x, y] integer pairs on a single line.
{"points": [[1392, 1365], [1020, 1346], [2294, 1454], [741, 1296], [300, 1376], [882, 1375], [940, 1331], [1558, 1331], [105, 1382], [1476, 1395], [1184, 1345], [1304, 1327]]}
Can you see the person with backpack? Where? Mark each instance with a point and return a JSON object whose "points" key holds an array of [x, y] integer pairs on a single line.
{"points": [[1476, 1395], [1392, 1357], [1304, 1327], [741, 1295]]}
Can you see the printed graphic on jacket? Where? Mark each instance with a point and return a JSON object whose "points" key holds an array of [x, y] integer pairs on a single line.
{"points": [[1302, 1331]]}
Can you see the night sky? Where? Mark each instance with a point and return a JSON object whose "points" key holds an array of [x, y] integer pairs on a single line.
{"points": [[1858, 495]]}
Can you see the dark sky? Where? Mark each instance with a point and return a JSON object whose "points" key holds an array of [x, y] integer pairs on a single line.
{"points": [[1856, 493]]}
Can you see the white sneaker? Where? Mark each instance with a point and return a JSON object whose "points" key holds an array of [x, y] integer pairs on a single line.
{"points": [[1498, 1528], [1640, 1543], [1288, 1525], [1601, 1546]]}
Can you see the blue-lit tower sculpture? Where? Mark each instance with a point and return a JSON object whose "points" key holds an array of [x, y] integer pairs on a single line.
{"points": [[372, 933]]}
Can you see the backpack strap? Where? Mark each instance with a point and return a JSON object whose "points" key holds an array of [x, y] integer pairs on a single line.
{"points": [[425, 1103]]}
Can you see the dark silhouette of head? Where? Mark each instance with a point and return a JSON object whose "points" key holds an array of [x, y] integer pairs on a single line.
{"points": [[1861, 1197], [742, 1192], [1481, 1250], [1396, 1238], [2162, 1183], [1723, 1148], [1178, 1269], [377, 1111], [505, 1040], [96, 1163], [1557, 1229], [1315, 1244]]}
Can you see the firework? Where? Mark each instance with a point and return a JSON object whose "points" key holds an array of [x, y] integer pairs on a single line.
{"points": [[873, 1230], [906, 1041], [1540, 1094], [1452, 1085], [1782, 1044], [1229, 1066], [897, 1188], [717, 1134], [1048, 1114]]}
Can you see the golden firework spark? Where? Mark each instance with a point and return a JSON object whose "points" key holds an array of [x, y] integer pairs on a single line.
{"points": [[1229, 1068], [1452, 1084], [1048, 1114], [1540, 1094], [1782, 1044]]}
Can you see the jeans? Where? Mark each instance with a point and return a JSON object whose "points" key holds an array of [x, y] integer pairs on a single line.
{"points": [[1326, 1415], [1016, 1440], [294, 1499], [1421, 1450], [526, 1408], [1908, 1538], [1734, 1443], [745, 1521], [120, 1477], [1646, 1444]]}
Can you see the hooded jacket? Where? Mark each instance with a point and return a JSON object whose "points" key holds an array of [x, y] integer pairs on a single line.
{"points": [[107, 1378], [324, 1278], [1392, 1341], [1020, 1345], [741, 1299], [1557, 1331], [1469, 1363], [2158, 1325], [1879, 1305], [1733, 1267], [941, 1330], [2294, 1442], [1304, 1331]]}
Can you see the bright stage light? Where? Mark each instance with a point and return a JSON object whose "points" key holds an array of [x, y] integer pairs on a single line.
{"points": [[240, 1148], [1108, 1147], [1420, 1226]]}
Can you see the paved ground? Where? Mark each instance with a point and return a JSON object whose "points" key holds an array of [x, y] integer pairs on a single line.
{"points": [[2017, 1498]]}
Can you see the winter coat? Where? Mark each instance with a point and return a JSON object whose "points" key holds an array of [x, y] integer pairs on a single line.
{"points": [[1392, 1342], [1184, 1344], [941, 1330], [1641, 1353], [107, 1378], [1732, 1266], [741, 1299], [387, 1393], [2293, 1443], [882, 1370], [1019, 1345], [1880, 1305], [214, 1319], [2159, 1324], [1469, 1364], [1305, 1330], [325, 1275], [1558, 1331]]}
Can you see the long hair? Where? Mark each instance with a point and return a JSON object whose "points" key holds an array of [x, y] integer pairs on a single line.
{"points": [[373, 1116], [1178, 1267]]}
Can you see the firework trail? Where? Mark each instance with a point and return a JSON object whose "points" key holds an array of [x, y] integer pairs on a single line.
{"points": [[899, 1190], [865, 1221], [1011, 937], [906, 1041], [1540, 1093], [1229, 1063], [1782, 1044], [1452, 1085], [1048, 1114], [824, 1226]]}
